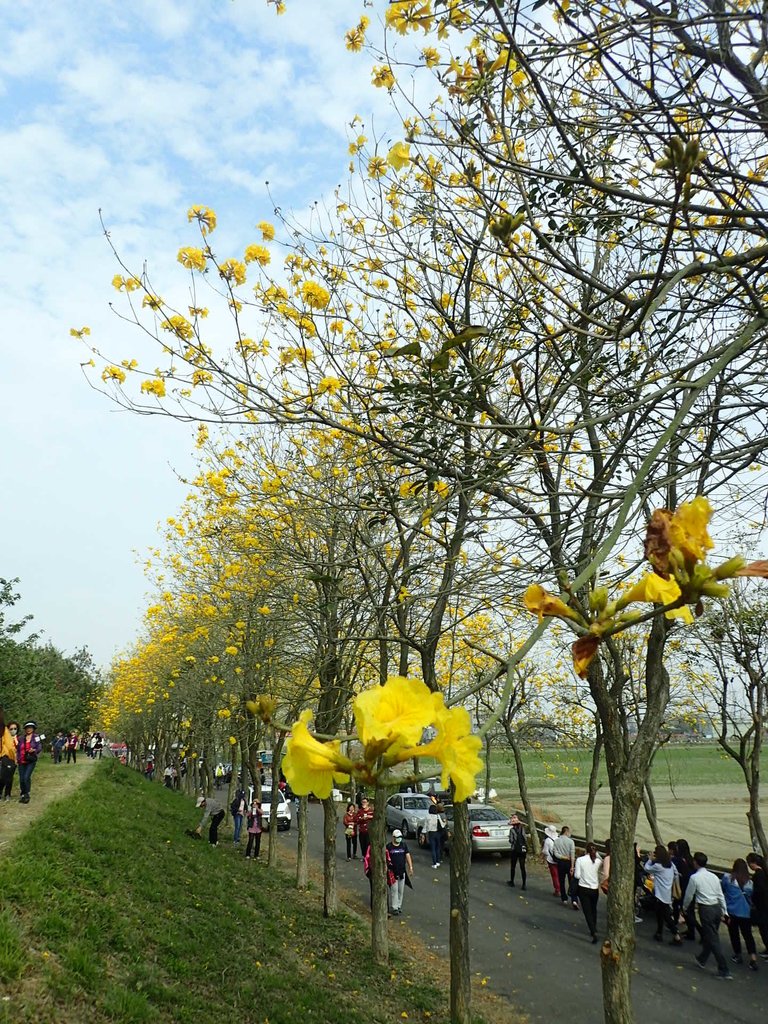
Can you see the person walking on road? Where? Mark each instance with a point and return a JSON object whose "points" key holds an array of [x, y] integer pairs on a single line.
{"points": [[29, 749], [350, 831], [704, 888], [663, 872], [587, 873], [435, 823], [550, 835], [760, 897], [363, 819], [518, 850], [737, 889], [564, 850], [400, 859]]}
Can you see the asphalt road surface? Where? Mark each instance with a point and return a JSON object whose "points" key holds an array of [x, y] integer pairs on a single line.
{"points": [[537, 953]]}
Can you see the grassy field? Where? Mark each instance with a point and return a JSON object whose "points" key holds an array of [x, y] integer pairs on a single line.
{"points": [[699, 791], [702, 764], [110, 913]]}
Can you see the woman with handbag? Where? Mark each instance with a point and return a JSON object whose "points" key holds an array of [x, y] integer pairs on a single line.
{"points": [[350, 831], [666, 884]]}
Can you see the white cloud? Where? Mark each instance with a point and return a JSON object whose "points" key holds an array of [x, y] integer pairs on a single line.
{"points": [[138, 110]]}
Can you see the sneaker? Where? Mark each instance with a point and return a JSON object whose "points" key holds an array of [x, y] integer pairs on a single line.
{"points": [[512, 884], [737, 959], [574, 904], [438, 864], [725, 977], [752, 965], [764, 954], [699, 964], [638, 920]]}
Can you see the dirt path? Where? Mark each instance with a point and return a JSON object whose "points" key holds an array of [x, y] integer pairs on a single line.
{"points": [[50, 782]]}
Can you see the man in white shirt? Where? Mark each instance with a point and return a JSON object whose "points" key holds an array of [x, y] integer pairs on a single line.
{"points": [[704, 887]]}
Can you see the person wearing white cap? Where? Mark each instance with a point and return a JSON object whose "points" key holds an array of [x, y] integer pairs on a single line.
{"points": [[29, 749], [400, 859], [550, 835]]}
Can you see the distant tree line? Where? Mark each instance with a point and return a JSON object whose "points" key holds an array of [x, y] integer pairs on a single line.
{"points": [[39, 681]]}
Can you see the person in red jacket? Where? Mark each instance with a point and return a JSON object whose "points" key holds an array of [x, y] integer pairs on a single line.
{"points": [[363, 819], [29, 749]]}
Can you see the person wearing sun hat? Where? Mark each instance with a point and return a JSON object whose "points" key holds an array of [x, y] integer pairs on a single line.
{"points": [[29, 749]]}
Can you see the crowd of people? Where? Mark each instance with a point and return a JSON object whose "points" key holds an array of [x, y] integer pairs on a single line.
{"points": [[21, 746], [686, 898]]}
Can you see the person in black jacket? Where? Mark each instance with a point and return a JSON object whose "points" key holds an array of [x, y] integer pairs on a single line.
{"points": [[756, 865], [518, 850]]}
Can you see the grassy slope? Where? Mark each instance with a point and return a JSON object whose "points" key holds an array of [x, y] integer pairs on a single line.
{"points": [[109, 913]]}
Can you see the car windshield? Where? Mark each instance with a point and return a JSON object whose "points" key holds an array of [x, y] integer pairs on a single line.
{"points": [[486, 814], [266, 796], [416, 803]]}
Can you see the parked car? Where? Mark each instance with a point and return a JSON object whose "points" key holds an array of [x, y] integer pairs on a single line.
{"points": [[432, 786], [283, 808], [408, 812], [488, 828]]}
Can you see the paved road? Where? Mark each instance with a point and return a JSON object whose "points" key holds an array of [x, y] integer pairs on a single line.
{"points": [[537, 953]]}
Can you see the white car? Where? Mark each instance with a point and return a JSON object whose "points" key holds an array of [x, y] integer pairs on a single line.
{"points": [[408, 812], [283, 808]]}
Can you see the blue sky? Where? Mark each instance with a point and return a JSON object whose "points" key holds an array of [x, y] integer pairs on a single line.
{"points": [[139, 110]]}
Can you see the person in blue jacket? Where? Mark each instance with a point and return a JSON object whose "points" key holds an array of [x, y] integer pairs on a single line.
{"points": [[737, 889]]}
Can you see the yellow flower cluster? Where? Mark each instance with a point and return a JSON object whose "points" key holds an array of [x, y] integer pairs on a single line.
{"points": [[191, 258], [676, 545], [155, 387], [390, 722], [257, 254], [315, 296], [233, 270], [204, 216]]}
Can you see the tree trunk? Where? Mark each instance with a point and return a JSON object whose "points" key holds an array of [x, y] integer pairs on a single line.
{"points": [[302, 854], [649, 803], [628, 767], [458, 932], [377, 833], [594, 784], [618, 950], [522, 785], [487, 799], [756, 829], [330, 895], [754, 818]]}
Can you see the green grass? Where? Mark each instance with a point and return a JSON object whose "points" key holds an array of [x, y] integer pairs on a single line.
{"points": [[679, 765], [110, 913]]}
